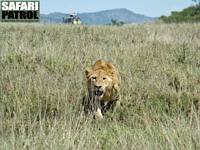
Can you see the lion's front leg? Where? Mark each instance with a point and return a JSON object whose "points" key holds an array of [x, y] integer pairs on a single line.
{"points": [[98, 113], [92, 105]]}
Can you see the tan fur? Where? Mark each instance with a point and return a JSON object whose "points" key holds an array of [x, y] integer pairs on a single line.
{"points": [[102, 77]]}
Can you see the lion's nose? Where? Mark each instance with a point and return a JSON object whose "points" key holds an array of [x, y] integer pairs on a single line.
{"points": [[98, 87]]}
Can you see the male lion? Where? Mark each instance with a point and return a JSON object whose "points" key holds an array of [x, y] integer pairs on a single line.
{"points": [[103, 81]]}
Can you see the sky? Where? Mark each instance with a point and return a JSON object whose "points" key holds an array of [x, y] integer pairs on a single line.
{"points": [[152, 8]]}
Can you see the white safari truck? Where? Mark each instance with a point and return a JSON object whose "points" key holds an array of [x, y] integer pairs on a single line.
{"points": [[72, 18]]}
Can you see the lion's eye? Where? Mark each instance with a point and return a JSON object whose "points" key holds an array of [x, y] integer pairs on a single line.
{"points": [[94, 78], [104, 78]]}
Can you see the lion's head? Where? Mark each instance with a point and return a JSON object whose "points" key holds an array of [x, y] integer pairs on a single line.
{"points": [[102, 79], [99, 82]]}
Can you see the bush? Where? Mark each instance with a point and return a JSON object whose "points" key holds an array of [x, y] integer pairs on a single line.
{"points": [[190, 14]]}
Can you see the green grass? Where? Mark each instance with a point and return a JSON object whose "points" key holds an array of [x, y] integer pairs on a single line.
{"points": [[42, 83]]}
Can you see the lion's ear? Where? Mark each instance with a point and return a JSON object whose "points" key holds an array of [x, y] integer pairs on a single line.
{"points": [[87, 71], [110, 66]]}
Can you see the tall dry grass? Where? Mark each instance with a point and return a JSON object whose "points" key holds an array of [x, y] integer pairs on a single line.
{"points": [[42, 83]]}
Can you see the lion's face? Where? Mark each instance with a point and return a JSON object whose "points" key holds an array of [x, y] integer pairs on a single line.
{"points": [[98, 83], [103, 81]]}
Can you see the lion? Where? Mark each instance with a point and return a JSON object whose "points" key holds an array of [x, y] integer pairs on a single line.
{"points": [[103, 84]]}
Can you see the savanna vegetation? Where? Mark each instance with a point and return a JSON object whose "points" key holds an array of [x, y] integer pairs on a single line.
{"points": [[42, 83], [189, 15]]}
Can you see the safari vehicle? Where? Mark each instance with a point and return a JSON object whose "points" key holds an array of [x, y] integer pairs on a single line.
{"points": [[72, 18]]}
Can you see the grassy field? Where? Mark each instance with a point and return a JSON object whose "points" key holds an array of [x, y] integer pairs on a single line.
{"points": [[42, 83]]}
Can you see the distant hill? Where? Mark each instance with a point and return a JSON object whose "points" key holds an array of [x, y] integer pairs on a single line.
{"points": [[101, 17]]}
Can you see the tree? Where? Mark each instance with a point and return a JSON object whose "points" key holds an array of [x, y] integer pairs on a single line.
{"points": [[190, 14], [197, 2], [113, 21], [116, 22]]}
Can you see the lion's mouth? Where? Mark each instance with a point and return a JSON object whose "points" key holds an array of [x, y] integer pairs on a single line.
{"points": [[98, 93]]}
